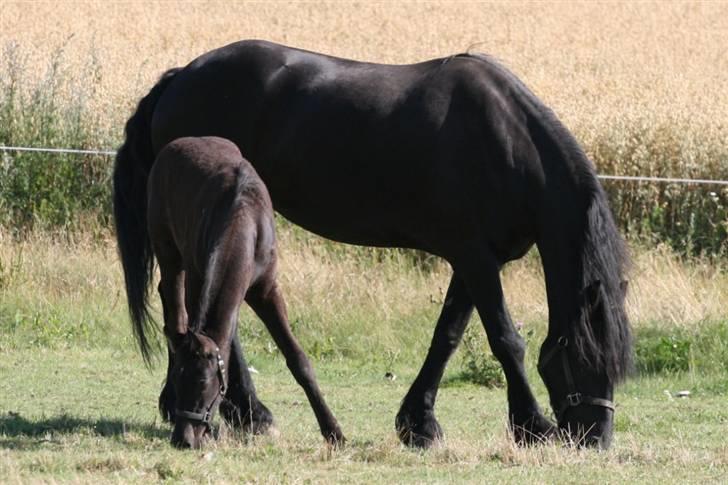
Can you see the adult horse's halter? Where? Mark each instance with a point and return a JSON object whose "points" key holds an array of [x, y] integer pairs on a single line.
{"points": [[573, 398], [206, 416]]}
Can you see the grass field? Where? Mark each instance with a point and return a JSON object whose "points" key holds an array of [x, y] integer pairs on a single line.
{"points": [[642, 85], [82, 415], [76, 403]]}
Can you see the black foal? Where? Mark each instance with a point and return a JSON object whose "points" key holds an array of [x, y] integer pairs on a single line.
{"points": [[210, 226]]}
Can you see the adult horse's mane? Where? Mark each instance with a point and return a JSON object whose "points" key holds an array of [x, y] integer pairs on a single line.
{"points": [[604, 342]]}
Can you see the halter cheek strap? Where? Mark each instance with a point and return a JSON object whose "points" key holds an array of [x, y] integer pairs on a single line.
{"points": [[573, 398], [205, 417]]}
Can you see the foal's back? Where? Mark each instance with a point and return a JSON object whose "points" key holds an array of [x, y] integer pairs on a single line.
{"points": [[202, 193]]}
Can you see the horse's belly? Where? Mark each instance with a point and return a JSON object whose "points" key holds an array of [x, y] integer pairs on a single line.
{"points": [[344, 220]]}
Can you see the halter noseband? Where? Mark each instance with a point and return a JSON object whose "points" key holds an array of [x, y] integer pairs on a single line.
{"points": [[573, 398], [206, 416]]}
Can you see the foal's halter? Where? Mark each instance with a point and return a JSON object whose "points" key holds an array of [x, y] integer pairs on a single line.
{"points": [[573, 398], [206, 416]]}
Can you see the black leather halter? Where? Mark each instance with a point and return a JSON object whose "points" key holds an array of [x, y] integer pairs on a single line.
{"points": [[205, 416], [573, 398]]}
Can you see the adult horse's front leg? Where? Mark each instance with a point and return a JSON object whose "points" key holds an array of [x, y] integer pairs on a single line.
{"points": [[482, 278], [415, 423], [241, 407]]}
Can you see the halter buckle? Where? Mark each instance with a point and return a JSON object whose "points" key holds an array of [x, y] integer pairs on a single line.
{"points": [[574, 399]]}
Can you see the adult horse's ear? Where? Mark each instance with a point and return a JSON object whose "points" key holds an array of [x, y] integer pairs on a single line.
{"points": [[593, 294], [623, 287]]}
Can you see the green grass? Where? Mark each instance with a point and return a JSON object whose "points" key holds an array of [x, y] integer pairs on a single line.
{"points": [[80, 415], [77, 405]]}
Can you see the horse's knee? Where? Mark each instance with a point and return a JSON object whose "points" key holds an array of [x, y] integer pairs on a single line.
{"points": [[509, 347]]}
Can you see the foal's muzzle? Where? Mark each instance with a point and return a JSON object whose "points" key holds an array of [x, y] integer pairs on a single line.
{"points": [[202, 416]]}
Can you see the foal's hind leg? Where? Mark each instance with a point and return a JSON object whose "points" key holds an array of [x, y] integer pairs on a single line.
{"points": [[268, 304], [241, 407], [416, 424], [481, 276]]}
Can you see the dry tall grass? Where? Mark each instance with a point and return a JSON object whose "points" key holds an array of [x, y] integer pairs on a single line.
{"points": [[618, 65], [641, 84], [339, 305]]}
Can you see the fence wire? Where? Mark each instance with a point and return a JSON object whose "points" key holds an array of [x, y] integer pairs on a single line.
{"points": [[627, 178]]}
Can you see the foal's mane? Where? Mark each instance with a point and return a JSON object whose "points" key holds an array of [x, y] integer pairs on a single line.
{"points": [[218, 220]]}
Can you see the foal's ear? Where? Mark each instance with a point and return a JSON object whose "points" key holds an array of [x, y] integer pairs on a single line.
{"points": [[176, 339], [194, 343]]}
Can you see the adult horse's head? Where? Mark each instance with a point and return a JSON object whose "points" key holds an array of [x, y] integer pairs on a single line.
{"points": [[580, 365], [200, 382]]}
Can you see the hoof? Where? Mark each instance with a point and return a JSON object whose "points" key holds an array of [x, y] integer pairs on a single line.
{"points": [[418, 431], [255, 420], [534, 430], [335, 439]]}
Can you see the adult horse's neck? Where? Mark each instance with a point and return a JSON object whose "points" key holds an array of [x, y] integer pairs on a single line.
{"points": [[581, 248], [585, 260]]}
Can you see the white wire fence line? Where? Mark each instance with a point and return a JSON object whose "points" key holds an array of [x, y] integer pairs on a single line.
{"points": [[628, 178], [57, 150]]}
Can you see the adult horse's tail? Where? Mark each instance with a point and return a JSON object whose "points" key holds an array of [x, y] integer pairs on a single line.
{"points": [[131, 170]]}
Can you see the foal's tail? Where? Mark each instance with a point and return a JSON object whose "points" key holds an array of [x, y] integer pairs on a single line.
{"points": [[131, 170]]}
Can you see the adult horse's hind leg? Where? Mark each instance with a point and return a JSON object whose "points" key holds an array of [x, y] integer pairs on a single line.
{"points": [[416, 424], [268, 304], [480, 272], [241, 407]]}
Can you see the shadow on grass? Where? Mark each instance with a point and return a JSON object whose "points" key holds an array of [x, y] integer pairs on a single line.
{"points": [[17, 432]]}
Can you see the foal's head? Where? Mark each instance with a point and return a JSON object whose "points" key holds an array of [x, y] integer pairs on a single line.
{"points": [[200, 382]]}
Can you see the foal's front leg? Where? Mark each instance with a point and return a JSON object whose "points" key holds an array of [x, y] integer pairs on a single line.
{"points": [[172, 294], [268, 304], [241, 407], [167, 398]]}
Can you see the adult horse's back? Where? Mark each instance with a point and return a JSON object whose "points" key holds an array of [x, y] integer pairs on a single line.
{"points": [[453, 156]]}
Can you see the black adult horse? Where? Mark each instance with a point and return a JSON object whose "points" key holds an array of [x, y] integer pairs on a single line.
{"points": [[452, 156], [210, 224]]}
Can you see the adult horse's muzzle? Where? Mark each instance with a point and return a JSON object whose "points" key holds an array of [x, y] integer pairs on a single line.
{"points": [[584, 419]]}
